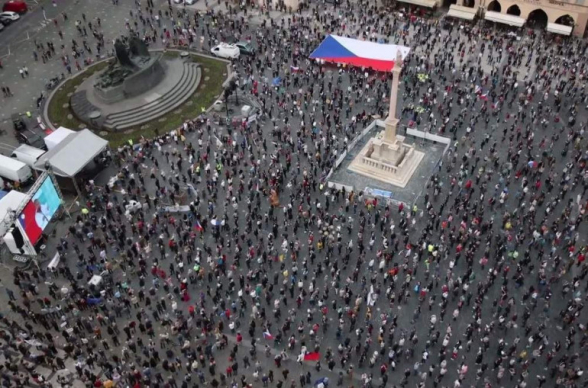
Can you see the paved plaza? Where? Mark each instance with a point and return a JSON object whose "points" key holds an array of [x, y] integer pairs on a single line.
{"points": [[478, 281]]}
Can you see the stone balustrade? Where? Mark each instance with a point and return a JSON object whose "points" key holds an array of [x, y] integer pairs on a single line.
{"points": [[379, 165]]}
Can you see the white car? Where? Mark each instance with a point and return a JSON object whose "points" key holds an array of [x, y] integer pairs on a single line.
{"points": [[224, 50], [9, 16]]}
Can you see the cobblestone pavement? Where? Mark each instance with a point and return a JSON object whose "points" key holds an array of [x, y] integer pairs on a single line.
{"points": [[331, 272]]}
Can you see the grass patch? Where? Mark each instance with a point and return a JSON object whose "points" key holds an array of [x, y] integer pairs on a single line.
{"points": [[205, 95], [58, 115]]}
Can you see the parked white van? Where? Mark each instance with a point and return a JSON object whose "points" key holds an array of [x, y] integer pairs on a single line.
{"points": [[225, 50], [27, 154], [14, 170]]}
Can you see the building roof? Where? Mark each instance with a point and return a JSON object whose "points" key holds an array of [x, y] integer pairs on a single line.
{"points": [[57, 136], [73, 153]]}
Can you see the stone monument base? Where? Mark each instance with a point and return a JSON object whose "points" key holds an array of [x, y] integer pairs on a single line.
{"points": [[143, 79], [393, 163], [181, 79]]}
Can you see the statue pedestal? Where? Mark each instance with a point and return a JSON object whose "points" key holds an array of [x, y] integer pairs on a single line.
{"points": [[392, 162], [144, 77]]}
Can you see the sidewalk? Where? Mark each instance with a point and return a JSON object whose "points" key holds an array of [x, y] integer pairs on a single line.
{"points": [[70, 370], [253, 15]]}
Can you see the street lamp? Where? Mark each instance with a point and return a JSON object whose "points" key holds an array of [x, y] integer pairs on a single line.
{"points": [[230, 86], [227, 94]]}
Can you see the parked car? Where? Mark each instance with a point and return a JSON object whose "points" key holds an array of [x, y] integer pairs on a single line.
{"points": [[31, 138], [17, 6], [245, 48], [8, 17], [224, 50], [18, 122], [27, 154]]}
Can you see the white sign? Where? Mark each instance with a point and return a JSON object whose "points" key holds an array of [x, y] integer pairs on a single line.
{"points": [[20, 259], [251, 118], [54, 262], [176, 209]]}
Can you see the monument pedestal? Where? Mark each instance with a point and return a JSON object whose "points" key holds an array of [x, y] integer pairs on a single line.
{"points": [[386, 157], [393, 163]]}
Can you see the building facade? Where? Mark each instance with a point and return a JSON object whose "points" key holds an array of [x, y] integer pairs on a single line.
{"points": [[573, 13], [276, 4]]}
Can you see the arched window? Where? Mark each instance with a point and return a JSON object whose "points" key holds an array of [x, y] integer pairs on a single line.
{"points": [[514, 10], [537, 19], [566, 20], [494, 6]]}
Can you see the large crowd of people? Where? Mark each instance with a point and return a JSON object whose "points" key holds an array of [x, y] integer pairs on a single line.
{"points": [[267, 277]]}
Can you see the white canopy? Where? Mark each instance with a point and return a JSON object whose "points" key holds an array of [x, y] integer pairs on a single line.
{"points": [[57, 136], [559, 29], [458, 11], [422, 3], [73, 153], [510, 20]]}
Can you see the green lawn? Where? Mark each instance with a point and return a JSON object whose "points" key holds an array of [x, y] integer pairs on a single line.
{"points": [[206, 93], [58, 115]]}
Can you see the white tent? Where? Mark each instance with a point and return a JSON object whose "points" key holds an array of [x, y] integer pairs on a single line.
{"points": [[421, 3], [57, 137], [461, 12], [73, 153], [559, 29], [510, 20]]}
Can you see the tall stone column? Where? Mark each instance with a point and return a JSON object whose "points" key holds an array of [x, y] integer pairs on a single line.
{"points": [[391, 121]]}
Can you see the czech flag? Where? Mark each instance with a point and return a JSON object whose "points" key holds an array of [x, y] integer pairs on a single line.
{"points": [[198, 227], [312, 356], [360, 53], [267, 335]]}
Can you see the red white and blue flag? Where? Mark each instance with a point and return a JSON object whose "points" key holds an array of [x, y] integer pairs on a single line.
{"points": [[360, 53], [267, 335], [197, 226]]}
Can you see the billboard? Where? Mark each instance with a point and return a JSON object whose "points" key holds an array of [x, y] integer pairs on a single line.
{"points": [[39, 210]]}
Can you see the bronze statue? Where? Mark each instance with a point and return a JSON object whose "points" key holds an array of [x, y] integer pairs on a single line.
{"points": [[122, 54], [131, 57], [138, 48]]}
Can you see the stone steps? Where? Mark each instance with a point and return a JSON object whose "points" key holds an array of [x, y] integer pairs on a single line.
{"points": [[400, 179], [176, 96], [81, 106]]}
